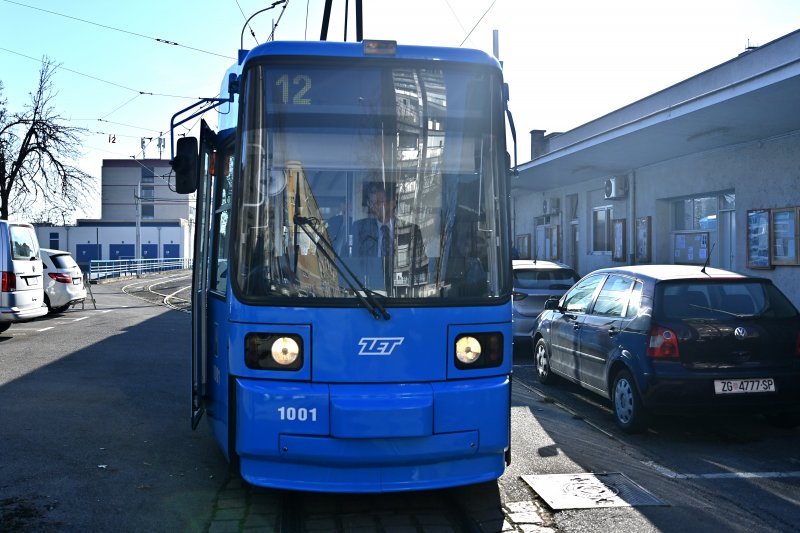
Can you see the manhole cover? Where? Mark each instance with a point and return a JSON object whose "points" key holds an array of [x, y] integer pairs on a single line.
{"points": [[587, 491]]}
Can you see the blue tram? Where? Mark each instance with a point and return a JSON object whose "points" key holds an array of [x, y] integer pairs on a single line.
{"points": [[351, 291]]}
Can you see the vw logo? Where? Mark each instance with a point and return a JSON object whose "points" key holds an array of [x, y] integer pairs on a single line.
{"points": [[740, 333]]}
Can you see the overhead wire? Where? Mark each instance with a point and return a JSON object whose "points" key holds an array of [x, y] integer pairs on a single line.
{"points": [[455, 16], [157, 39], [139, 92], [121, 106], [61, 67], [248, 25], [476, 24]]}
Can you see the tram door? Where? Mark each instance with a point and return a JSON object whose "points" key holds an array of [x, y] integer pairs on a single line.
{"points": [[200, 274]]}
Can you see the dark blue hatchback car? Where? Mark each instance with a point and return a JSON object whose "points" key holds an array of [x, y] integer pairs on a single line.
{"points": [[673, 338]]}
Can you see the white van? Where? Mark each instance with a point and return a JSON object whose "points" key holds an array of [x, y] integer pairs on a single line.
{"points": [[21, 290]]}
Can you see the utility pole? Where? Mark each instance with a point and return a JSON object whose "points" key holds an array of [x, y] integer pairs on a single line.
{"points": [[136, 253]]}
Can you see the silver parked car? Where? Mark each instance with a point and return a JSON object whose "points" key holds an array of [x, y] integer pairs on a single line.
{"points": [[63, 280], [534, 282], [20, 274]]}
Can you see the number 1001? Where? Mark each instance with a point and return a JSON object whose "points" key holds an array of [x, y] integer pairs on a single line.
{"points": [[297, 413]]}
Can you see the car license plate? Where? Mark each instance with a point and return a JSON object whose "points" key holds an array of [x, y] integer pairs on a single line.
{"points": [[76, 281], [742, 386]]}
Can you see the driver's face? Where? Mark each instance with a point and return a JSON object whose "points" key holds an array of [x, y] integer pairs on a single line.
{"points": [[381, 207]]}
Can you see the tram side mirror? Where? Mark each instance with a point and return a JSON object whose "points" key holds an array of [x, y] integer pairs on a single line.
{"points": [[185, 165]]}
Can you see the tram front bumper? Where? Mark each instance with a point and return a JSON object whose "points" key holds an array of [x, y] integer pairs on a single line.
{"points": [[369, 438]]}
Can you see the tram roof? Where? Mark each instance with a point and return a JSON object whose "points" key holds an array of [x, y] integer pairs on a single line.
{"points": [[356, 50]]}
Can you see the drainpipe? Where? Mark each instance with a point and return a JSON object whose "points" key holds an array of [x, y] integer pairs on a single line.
{"points": [[632, 225]]}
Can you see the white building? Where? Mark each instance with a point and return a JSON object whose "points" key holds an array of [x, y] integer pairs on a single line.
{"points": [[708, 169], [138, 205]]}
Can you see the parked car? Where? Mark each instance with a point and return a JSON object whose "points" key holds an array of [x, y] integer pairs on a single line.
{"points": [[670, 338], [21, 296], [64, 285], [534, 282]]}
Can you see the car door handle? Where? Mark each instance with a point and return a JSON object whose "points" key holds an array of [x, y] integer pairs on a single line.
{"points": [[576, 326], [612, 331]]}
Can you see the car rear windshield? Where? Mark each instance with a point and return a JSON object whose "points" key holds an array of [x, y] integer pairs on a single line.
{"points": [[544, 279], [24, 244], [715, 299], [63, 261]]}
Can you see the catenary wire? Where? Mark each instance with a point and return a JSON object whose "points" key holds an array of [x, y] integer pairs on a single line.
{"points": [[455, 15], [245, 18], [121, 106], [157, 39], [476, 24], [61, 67]]}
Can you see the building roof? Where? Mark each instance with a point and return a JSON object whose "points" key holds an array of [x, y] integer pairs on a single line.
{"points": [[751, 97], [124, 163]]}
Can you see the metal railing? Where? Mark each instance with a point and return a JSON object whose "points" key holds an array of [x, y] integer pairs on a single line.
{"points": [[103, 269]]}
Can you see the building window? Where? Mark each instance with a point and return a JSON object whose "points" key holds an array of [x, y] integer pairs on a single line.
{"points": [[601, 229], [148, 192], [148, 211], [54, 244], [700, 213], [572, 207]]}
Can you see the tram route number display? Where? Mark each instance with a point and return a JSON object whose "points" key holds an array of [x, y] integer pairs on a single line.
{"points": [[303, 89]]}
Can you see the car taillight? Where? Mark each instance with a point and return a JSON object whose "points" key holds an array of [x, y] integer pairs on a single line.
{"points": [[663, 344], [518, 296], [9, 283], [61, 278]]}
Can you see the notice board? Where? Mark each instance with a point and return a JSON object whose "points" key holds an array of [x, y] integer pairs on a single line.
{"points": [[690, 248]]}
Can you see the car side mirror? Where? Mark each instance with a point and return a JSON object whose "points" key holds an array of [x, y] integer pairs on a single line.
{"points": [[551, 303], [185, 165]]}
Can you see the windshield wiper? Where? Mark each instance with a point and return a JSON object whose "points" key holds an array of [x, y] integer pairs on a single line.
{"points": [[367, 297], [712, 309]]}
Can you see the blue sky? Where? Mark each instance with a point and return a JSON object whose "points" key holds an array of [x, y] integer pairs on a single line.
{"points": [[567, 62]]}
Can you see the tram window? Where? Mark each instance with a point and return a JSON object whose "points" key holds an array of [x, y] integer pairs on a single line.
{"points": [[221, 230]]}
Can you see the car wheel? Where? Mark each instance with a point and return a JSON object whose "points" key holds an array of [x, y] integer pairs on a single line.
{"points": [[4, 326], [50, 310], [61, 309], [628, 409], [542, 356]]}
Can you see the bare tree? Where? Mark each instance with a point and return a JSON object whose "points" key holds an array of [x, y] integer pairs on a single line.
{"points": [[37, 147]]}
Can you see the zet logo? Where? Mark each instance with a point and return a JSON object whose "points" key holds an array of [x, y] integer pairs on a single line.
{"points": [[379, 345]]}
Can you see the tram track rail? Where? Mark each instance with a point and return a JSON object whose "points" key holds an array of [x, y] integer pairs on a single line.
{"points": [[166, 290]]}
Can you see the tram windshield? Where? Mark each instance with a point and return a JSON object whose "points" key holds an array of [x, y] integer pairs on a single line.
{"points": [[378, 179]]}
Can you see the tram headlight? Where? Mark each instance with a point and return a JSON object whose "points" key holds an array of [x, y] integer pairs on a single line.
{"points": [[479, 350], [285, 350], [264, 351], [468, 349]]}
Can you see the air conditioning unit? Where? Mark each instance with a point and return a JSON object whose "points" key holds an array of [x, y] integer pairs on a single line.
{"points": [[615, 187], [551, 206]]}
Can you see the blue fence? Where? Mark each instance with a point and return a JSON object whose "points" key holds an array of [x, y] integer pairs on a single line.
{"points": [[102, 269]]}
